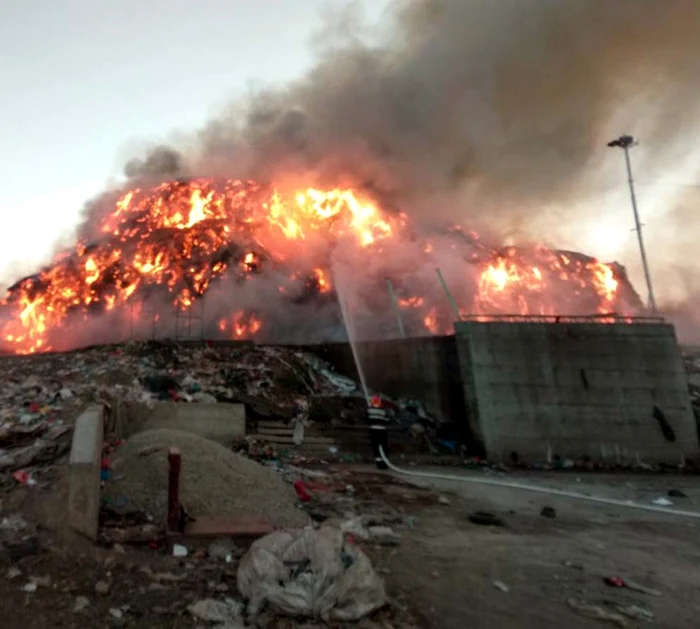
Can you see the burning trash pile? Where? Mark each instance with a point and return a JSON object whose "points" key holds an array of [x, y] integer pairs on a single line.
{"points": [[243, 260]]}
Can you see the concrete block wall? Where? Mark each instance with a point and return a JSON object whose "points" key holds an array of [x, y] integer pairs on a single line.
{"points": [[576, 389]]}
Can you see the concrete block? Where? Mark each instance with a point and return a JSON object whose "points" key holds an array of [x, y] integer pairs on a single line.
{"points": [[223, 423], [525, 386], [84, 472]]}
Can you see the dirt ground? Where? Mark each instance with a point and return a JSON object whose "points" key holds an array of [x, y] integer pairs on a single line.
{"points": [[446, 572], [447, 566]]}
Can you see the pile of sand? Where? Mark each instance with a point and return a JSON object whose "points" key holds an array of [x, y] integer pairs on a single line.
{"points": [[213, 481]]}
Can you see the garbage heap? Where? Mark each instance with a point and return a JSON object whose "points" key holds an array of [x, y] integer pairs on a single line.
{"points": [[42, 394]]}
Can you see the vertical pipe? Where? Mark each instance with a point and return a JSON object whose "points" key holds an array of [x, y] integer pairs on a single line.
{"points": [[397, 310], [450, 298], [638, 228], [174, 466]]}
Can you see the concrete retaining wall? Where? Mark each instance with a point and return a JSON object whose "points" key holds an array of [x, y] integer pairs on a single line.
{"points": [[576, 389]]}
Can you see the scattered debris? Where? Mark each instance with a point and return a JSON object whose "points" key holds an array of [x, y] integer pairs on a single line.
{"points": [[597, 612], [643, 589], [676, 493], [13, 573], [443, 500], [301, 490], [162, 577], [615, 582], [499, 585], [81, 604], [662, 502], [116, 613], [384, 535], [548, 512], [24, 478], [228, 611], [102, 587], [635, 612], [630, 585], [484, 518], [43, 581], [223, 550], [179, 550]]}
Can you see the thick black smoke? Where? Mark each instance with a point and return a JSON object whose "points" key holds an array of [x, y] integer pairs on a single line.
{"points": [[490, 104], [491, 112]]}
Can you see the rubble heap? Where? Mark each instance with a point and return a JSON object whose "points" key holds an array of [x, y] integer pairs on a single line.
{"points": [[214, 481]]}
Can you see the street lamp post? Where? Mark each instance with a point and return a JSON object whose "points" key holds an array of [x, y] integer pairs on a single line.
{"points": [[626, 142]]}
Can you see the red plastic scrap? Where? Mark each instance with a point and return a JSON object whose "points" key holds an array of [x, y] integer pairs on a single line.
{"points": [[304, 495], [106, 464], [22, 476], [34, 407], [615, 582]]}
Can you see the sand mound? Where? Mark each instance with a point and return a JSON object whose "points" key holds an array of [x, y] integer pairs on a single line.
{"points": [[213, 481]]}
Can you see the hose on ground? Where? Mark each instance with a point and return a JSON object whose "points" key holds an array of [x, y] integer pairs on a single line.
{"points": [[539, 490]]}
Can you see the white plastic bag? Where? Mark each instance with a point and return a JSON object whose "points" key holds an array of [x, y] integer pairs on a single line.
{"points": [[310, 573]]}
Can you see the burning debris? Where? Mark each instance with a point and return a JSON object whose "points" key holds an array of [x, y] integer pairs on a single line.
{"points": [[265, 263]]}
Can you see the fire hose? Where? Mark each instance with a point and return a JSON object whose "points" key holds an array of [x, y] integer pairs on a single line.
{"points": [[511, 485]]}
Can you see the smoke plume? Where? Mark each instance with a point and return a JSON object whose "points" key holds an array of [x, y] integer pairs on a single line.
{"points": [[492, 113], [473, 106]]}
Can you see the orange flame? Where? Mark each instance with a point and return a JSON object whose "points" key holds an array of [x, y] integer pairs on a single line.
{"points": [[179, 235]]}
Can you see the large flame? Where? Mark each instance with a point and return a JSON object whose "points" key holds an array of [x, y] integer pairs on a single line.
{"points": [[181, 236]]}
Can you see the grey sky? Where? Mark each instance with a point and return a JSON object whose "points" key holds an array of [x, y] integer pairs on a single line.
{"points": [[83, 80]]}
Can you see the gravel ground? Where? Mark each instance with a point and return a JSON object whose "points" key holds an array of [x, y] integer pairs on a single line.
{"points": [[214, 481]]}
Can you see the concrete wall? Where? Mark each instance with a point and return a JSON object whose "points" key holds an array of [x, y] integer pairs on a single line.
{"points": [[576, 389], [422, 368]]}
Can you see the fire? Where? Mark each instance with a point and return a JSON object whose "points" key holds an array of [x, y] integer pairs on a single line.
{"points": [[177, 239], [520, 284], [324, 285], [431, 321], [411, 302], [241, 326]]}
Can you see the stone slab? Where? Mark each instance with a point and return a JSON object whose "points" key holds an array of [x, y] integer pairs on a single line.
{"points": [[84, 472]]}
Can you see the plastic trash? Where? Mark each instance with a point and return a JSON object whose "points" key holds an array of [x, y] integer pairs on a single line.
{"points": [[300, 488], [227, 611], [310, 573], [615, 582], [298, 434], [23, 478]]}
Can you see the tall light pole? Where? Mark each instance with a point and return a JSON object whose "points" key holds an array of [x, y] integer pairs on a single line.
{"points": [[626, 142]]}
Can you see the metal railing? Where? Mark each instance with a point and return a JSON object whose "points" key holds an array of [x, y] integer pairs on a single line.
{"points": [[594, 318]]}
